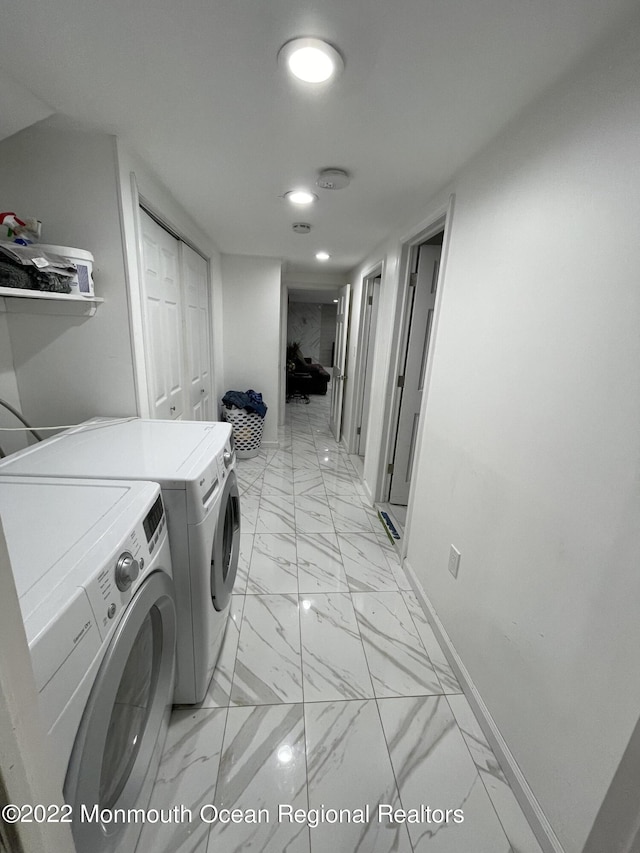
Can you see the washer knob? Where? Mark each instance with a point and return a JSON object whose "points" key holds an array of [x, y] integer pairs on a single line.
{"points": [[127, 570], [228, 458]]}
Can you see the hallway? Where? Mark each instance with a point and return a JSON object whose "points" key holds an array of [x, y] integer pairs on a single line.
{"points": [[331, 690]]}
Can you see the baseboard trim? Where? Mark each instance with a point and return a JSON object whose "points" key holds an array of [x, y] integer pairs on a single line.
{"points": [[532, 809], [367, 491], [270, 445]]}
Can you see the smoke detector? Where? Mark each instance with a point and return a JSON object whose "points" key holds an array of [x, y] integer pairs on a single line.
{"points": [[301, 227], [333, 179]]}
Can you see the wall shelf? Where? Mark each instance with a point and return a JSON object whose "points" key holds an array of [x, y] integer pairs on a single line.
{"points": [[16, 301]]}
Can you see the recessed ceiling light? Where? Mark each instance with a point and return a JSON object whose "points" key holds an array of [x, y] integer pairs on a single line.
{"points": [[322, 256], [300, 196], [335, 300], [311, 60]]}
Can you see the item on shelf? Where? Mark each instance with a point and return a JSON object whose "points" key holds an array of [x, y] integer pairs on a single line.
{"points": [[57, 269], [15, 275], [81, 282], [20, 231]]}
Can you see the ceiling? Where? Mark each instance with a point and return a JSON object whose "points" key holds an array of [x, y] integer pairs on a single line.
{"points": [[196, 89]]}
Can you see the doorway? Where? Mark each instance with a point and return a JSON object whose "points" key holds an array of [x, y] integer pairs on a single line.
{"points": [[415, 353], [339, 376], [364, 368]]}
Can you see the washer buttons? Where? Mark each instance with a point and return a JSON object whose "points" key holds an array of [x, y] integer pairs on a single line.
{"points": [[111, 612]]}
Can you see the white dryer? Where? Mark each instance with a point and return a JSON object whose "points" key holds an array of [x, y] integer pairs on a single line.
{"points": [[99, 615], [193, 461]]}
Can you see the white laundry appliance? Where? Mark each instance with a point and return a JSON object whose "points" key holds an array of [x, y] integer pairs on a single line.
{"points": [[99, 614], [193, 461]]}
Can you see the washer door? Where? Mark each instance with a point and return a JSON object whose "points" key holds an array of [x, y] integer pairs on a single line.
{"points": [[226, 544], [127, 708]]}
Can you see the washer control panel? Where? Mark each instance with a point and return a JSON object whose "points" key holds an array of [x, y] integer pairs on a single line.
{"points": [[127, 570], [112, 589]]}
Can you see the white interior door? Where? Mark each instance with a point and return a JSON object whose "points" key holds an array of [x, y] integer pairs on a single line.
{"points": [[195, 276], [338, 377], [162, 301], [423, 287]]}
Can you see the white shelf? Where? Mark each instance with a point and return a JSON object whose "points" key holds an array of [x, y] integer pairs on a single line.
{"points": [[13, 300], [43, 294]]}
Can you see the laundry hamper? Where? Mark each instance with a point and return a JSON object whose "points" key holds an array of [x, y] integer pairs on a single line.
{"points": [[247, 431]]}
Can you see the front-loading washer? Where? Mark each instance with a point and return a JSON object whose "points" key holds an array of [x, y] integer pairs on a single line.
{"points": [[99, 614], [193, 461]]}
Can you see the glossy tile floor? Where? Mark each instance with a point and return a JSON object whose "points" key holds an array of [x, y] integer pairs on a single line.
{"points": [[331, 691]]}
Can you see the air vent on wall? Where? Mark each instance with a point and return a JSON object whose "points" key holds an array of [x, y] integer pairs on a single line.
{"points": [[301, 227]]}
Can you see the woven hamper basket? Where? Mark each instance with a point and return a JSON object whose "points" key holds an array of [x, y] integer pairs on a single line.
{"points": [[247, 431]]}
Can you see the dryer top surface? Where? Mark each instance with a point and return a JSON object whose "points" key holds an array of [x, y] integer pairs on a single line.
{"points": [[167, 452], [59, 528]]}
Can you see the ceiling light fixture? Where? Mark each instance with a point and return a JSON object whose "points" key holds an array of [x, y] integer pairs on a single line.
{"points": [[300, 196], [322, 256], [311, 59]]}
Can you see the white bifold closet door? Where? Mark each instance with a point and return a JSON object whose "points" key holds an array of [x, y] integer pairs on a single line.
{"points": [[196, 321], [175, 297]]}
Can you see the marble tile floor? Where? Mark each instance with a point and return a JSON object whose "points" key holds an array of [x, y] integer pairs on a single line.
{"points": [[331, 691]]}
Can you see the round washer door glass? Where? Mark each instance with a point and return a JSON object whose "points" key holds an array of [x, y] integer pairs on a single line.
{"points": [[226, 545], [126, 710], [130, 710]]}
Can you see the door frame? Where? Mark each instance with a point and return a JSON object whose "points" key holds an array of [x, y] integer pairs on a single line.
{"points": [[440, 220], [370, 274], [148, 337], [339, 372], [136, 301]]}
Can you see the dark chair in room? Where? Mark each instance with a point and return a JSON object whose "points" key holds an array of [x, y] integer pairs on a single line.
{"points": [[303, 374]]}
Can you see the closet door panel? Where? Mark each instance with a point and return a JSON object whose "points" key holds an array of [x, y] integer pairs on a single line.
{"points": [[195, 274], [162, 303]]}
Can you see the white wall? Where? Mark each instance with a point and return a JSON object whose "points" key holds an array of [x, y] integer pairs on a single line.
{"points": [[154, 193], [19, 108], [529, 461], [251, 337], [9, 441], [70, 368]]}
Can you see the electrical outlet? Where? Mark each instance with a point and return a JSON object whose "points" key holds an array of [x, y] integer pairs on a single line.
{"points": [[454, 561]]}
